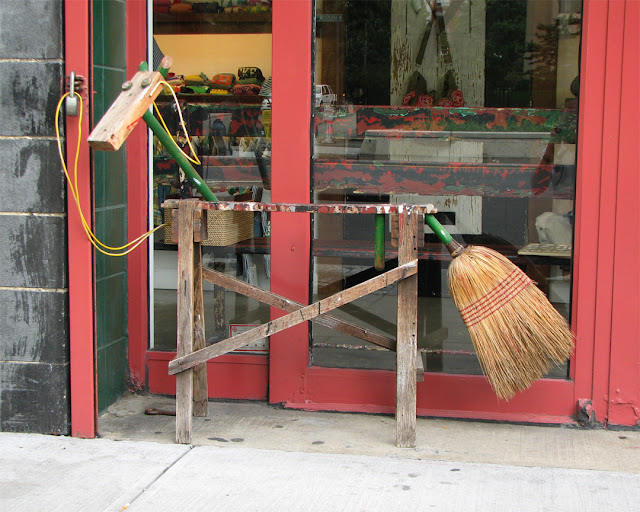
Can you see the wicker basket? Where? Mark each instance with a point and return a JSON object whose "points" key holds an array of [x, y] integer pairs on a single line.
{"points": [[224, 228]]}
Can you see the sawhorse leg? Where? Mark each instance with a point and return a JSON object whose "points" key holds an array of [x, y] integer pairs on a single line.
{"points": [[191, 385], [407, 336]]}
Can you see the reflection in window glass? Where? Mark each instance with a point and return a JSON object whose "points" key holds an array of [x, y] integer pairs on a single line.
{"points": [[467, 104], [221, 75]]}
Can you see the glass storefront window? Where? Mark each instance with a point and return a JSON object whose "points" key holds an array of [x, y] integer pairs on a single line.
{"points": [[222, 78], [467, 104]]}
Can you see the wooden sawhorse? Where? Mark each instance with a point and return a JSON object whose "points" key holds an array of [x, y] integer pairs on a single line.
{"points": [[189, 230]]}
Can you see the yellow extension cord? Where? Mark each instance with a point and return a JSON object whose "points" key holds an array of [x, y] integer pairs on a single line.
{"points": [[73, 185]]}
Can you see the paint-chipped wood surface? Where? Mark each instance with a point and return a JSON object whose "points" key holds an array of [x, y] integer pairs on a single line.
{"points": [[354, 121], [435, 178], [299, 207], [200, 387]]}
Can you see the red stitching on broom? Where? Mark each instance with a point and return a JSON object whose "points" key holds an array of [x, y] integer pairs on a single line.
{"points": [[512, 285], [507, 282]]}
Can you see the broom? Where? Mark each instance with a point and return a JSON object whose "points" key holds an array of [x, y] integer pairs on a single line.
{"points": [[515, 330]]}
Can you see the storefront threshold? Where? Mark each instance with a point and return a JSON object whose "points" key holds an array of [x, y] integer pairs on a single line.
{"points": [[246, 377], [514, 418]]}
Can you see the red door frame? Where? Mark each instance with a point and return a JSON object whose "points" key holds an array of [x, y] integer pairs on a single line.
{"points": [[604, 308], [607, 278], [77, 14], [83, 375], [624, 374], [137, 206]]}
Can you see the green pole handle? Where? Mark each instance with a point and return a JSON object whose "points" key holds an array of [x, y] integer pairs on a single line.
{"points": [[455, 249], [175, 152], [165, 64], [167, 141], [379, 242], [163, 67]]}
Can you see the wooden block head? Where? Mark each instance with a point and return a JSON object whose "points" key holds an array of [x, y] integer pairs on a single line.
{"points": [[119, 121]]}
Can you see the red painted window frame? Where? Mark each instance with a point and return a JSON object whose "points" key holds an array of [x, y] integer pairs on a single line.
{"points": [[624, 381], [137, 207], [83, 387], [606, 367], [604, 307], [83, 373]]}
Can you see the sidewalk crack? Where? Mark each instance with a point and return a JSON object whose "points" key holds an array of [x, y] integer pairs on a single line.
{"points": [[134, 498]]}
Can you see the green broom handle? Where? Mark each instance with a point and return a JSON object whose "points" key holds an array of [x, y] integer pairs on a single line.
{"points": [[437, 228], [167, 141], [455, 249]]}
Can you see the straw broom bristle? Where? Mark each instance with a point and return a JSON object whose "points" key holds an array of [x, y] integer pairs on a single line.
{"points": [[516, 331]]}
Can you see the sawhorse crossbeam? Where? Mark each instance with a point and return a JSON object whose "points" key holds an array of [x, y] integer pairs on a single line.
{"points": [[189, 230]]}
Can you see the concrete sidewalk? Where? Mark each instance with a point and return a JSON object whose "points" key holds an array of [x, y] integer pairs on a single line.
{"points": [[45, 473], [250, 456]]}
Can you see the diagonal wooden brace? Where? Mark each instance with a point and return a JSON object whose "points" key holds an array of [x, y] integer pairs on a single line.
{"points": [[305, 314], [290, 306], [280, 302]]}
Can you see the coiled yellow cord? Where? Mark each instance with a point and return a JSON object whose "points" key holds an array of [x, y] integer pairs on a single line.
{"points": [[73, 186]]}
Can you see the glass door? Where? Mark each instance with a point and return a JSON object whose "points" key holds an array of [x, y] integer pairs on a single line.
{"points": [[220, 83], [469, 105]]}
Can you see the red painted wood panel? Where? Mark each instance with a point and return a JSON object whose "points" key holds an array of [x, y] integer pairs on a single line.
{"points": [[81, 272], [624, 376], [461, 396], [237, 377], [607, 207], [589, 157]]}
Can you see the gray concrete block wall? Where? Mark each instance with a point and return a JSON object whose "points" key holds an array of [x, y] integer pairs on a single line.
{"points": [[34, 313]]}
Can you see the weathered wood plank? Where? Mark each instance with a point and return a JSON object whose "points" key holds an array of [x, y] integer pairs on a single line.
{"points": [[394, 231], [182, 363], [407, 337], [184, 381], [290, 306], [200, 226], [125, 112], [200, 388]]}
